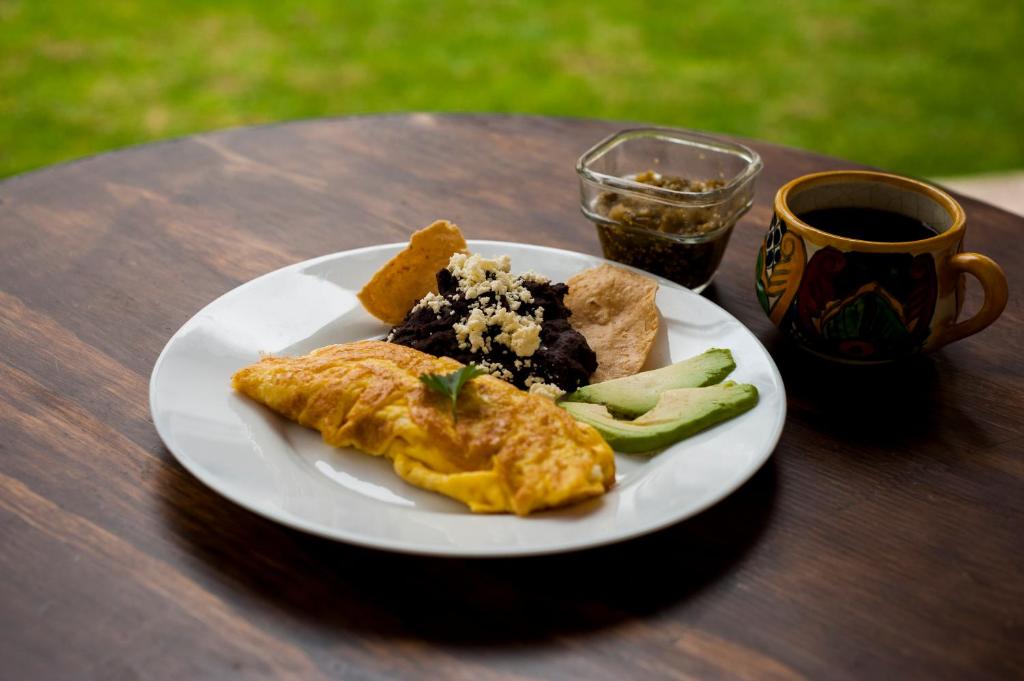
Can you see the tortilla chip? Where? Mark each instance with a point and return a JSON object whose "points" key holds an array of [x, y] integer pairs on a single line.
{"points": [[615, 311], [410, 275]]}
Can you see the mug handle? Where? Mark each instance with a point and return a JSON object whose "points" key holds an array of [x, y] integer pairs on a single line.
{"points": [[993, 282]]}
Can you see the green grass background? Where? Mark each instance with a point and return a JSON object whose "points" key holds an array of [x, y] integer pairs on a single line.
{"points": [[931, 88]]}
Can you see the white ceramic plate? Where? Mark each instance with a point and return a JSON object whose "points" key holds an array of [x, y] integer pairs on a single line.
{"points": [[286, 473]]}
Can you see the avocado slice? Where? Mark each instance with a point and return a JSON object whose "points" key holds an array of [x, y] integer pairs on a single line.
{"points": [[679, 413], [634, 395]]}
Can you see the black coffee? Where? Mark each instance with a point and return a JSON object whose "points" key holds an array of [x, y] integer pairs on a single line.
{"points": [[868, 224]]}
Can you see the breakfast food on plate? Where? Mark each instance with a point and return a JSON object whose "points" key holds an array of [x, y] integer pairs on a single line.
{"points": [[615, 311], [634, 395], [668, 404], [447, 302], [513, 326], [679, 413], [506, 450], [440, 396], [409, 275]]}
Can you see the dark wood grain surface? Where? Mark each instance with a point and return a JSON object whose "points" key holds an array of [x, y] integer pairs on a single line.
{"points": [[884, 539]]}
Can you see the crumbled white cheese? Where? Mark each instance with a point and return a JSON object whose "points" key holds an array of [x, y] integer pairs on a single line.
{"points": [[534, 277], [496, 369], [434, 301], [471, 331], [526, 340], [477, 276], [539, 387]]}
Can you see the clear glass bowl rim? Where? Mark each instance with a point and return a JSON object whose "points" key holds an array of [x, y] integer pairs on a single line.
{"points": [[674, 136]]}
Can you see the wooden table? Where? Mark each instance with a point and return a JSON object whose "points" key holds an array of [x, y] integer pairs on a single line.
{"points": [[884, 539]]}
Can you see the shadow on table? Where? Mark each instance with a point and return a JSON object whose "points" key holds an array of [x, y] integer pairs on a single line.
{"points": [[341, 588], [877, 408]]}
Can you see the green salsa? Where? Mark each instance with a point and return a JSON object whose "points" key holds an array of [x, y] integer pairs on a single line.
{"points": [[681, 243]]}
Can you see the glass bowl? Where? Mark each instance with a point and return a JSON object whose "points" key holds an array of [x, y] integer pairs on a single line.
{"points": [[666, 200]]}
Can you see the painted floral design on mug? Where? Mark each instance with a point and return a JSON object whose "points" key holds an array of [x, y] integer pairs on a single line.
{"points": [[866, 301], [871, 306], [780, 265]]}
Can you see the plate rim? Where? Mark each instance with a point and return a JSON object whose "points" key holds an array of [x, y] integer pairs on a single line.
{"points": [[401, 547]]}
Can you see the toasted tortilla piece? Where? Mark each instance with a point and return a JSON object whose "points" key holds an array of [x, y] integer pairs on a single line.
{"points": [[615, 311], [410, 275]]}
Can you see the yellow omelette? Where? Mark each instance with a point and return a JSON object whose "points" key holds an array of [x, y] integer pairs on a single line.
{"points": [[507, 450]]}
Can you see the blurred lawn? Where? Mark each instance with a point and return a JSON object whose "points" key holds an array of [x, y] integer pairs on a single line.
{"points": [[928, 88]]}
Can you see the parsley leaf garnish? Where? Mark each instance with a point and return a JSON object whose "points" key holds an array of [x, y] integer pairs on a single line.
{"points": [[451, 384]]}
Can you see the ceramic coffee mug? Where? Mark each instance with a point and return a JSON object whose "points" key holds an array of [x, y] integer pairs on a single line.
{"points": [[871, 301]]}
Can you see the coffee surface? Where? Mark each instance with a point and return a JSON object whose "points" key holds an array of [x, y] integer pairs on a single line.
{"points": [[868, 224]]}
